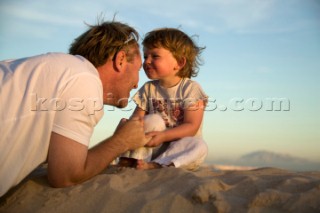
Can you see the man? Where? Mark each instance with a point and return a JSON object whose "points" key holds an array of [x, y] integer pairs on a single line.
{"points": [[49, 105]]}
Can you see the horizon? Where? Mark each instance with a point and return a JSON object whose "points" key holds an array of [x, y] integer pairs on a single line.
{"points": [[261, 63]]}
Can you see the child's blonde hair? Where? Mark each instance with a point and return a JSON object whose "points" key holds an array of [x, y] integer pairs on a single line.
{"points": [[180, 45]]}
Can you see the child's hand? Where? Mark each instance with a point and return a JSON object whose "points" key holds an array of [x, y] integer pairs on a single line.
{"points": [[157, 138]]}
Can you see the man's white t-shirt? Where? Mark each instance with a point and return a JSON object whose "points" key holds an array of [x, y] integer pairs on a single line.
{"points": [[54, 92]]}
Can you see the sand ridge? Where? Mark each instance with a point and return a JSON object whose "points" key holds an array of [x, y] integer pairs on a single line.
{"points": [[172, 190]]}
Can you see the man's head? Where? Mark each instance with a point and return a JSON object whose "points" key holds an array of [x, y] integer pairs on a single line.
{"points": [[112, 47], [102, 41]]}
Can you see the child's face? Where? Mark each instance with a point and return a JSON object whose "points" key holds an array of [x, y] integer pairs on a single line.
{"points": [[159, 63]]}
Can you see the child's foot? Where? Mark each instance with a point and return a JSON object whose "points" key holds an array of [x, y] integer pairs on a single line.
{"points": [[142, 165], [127, 162]]}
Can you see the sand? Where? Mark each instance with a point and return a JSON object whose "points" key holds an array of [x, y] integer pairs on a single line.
{"points": [[172, 190]]}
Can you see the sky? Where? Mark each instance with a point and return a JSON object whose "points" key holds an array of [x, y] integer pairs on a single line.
{"points": [[259, 53]]}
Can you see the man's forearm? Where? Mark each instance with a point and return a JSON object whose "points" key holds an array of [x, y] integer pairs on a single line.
{"points": [[100, 156], [70, 162]]}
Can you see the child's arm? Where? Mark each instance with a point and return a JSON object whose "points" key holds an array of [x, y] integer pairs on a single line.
{"points": [[192, 120]]}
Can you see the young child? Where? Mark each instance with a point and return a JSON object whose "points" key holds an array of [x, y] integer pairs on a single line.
{"points": [[171, 58]]}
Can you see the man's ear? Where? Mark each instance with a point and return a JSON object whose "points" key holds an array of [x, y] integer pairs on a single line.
{"points": [[120, 60]]}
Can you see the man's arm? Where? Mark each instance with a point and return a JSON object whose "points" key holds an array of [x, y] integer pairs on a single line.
{"points": [[70, 162], [139, 113]]}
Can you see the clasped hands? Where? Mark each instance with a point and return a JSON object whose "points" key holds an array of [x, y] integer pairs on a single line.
{"points": [[131, 132]]}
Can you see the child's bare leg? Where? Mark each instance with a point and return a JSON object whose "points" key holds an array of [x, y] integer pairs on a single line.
{"points": [[142, 165], [127, 162]]}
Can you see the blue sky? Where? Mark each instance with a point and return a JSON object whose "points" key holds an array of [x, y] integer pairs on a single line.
{"points": [[256, 50]]}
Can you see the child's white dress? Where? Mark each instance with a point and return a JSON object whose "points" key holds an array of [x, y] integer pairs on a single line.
{"points": [[169, 104]]}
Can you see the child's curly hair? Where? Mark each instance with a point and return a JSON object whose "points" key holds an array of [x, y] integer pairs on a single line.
{"points": [[180, 45]]}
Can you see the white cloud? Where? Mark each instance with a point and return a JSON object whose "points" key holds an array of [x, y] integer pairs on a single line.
{"points": [[224, 16], [31, 30], [36, 15], [212, 16], [42, 19], [238, 16]]}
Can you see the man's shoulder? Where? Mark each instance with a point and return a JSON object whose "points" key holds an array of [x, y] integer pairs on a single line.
{"points": [[74, 64]]}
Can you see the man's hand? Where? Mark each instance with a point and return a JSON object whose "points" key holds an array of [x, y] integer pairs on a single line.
{"points": [[121, 123], [131, 134]]}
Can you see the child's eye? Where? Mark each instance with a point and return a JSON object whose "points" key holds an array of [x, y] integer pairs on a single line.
{"points": [[152, 56], [146, 57]]}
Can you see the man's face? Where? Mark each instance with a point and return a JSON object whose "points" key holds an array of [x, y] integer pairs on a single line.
{"points": [[129, 80]]}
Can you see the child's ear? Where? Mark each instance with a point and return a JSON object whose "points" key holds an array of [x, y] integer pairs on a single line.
{"points": [[182, 62]]}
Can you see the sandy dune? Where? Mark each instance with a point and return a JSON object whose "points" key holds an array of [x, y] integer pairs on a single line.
{"points": [[172, 190]]}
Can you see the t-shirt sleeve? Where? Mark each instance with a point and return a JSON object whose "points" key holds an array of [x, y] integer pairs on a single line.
{"points": [[82, 108], [140, 98], [193, 93]]}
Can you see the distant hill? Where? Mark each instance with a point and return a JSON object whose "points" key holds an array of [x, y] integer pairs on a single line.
{"points": [[271, 159]]}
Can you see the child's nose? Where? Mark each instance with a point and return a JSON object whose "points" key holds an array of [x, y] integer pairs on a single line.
{"points": [[147, 60]]}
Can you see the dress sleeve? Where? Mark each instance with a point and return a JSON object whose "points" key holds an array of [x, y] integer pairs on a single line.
{"points": [[193, 93], [141, 97], [82, 109]]}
